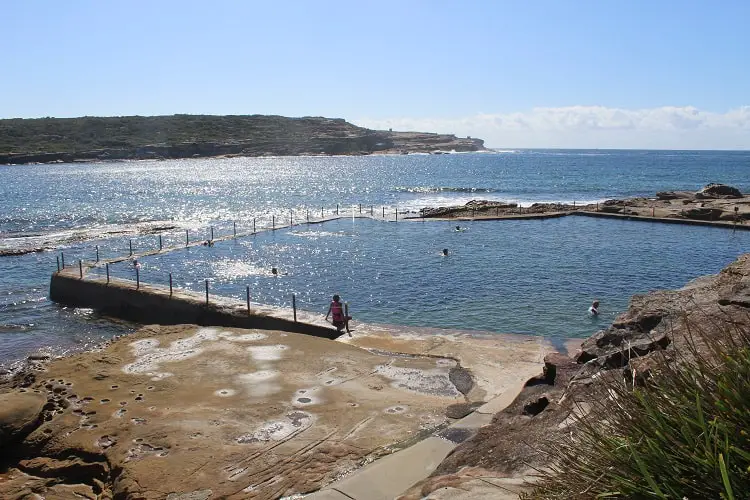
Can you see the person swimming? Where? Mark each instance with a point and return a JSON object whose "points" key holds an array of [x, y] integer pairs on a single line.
{"points": [[594, 309], [445, 252]]}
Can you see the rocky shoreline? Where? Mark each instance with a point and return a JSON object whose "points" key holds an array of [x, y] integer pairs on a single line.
{"points": [[659, 323], [713, 203], [186, 412]]}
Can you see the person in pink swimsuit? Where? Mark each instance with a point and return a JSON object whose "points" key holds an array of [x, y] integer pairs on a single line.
{"points": [[336, 311]]}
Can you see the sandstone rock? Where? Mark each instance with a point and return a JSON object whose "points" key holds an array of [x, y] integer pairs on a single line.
{"points": [[73, 470], [244, 413], [610, 208], [714, 190], [460, 410], [631, 335], [193, 495], [558, 368], [640, 370], [534, 408], [19, 414], [461, 378], [739, 298]]}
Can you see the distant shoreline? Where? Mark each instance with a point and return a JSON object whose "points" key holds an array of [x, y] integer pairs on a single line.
{"points": [[70, 140]]}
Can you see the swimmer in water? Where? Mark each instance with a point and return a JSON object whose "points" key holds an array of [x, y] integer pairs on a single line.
{"points": [[594, 309], [445, 252]]}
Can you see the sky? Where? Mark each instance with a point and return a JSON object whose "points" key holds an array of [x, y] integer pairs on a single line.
{"points": [[662, 74]]}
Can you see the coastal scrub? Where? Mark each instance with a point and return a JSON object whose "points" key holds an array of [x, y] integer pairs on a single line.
{"points": [[681, 433]]}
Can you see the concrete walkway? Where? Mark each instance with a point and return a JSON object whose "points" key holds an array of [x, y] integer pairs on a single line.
{"points": [[391, 476]]}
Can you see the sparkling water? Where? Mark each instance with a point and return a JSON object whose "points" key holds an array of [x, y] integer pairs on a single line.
{"points": [[534, 276]]}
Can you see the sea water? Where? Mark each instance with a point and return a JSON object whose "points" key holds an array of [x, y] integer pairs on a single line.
{"points": [[533, 277]]}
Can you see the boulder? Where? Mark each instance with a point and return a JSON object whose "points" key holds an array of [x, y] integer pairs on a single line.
{"points": [[611, 206], [19, 414], [631, 335], [462, 379], [718, 191]]}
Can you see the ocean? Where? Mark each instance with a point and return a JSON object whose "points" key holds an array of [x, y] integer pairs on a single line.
{"points": [[533, 277]]}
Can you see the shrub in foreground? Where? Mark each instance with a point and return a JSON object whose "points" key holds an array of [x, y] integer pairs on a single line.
{"points": [[683, 435]]}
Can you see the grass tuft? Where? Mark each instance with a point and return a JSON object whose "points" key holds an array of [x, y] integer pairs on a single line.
{"points": [[685, 434]]}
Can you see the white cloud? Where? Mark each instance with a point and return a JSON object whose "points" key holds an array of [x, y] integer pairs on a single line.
{"points": [[666, 127]]}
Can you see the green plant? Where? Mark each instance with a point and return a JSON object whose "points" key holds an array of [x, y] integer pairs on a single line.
{"points": [[682, 435]]}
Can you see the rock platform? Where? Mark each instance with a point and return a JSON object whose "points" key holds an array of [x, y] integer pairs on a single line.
{"points": [[193, 412]]}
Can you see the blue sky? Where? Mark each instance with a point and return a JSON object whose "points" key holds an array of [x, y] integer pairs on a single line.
{"points": [[519, 74]]}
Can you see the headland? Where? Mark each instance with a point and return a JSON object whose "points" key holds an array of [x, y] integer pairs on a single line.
{"points": [[65, 140]]}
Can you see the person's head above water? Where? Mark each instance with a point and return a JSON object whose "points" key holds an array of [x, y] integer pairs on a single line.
{"points": [[445, 251], [336, 298], [595, 303], [274, 270], [458, 228]]}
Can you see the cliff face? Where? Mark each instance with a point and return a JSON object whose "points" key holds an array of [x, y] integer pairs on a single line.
{"points": [[184, 136]]}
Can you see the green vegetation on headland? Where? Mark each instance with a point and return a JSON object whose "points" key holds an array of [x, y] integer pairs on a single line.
{"points": [[184, 136]]}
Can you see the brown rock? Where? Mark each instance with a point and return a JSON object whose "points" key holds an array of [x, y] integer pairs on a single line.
{"points": [[19, 414], [558, 368], [714, 190]]}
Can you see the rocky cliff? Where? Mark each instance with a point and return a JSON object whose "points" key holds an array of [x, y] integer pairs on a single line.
{"points": [[50, 140]]}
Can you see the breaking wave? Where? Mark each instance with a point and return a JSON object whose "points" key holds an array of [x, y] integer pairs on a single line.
{"points": [[441, 189]]}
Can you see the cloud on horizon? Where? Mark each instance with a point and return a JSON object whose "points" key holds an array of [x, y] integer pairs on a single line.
{"points": [[666, 127]]}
